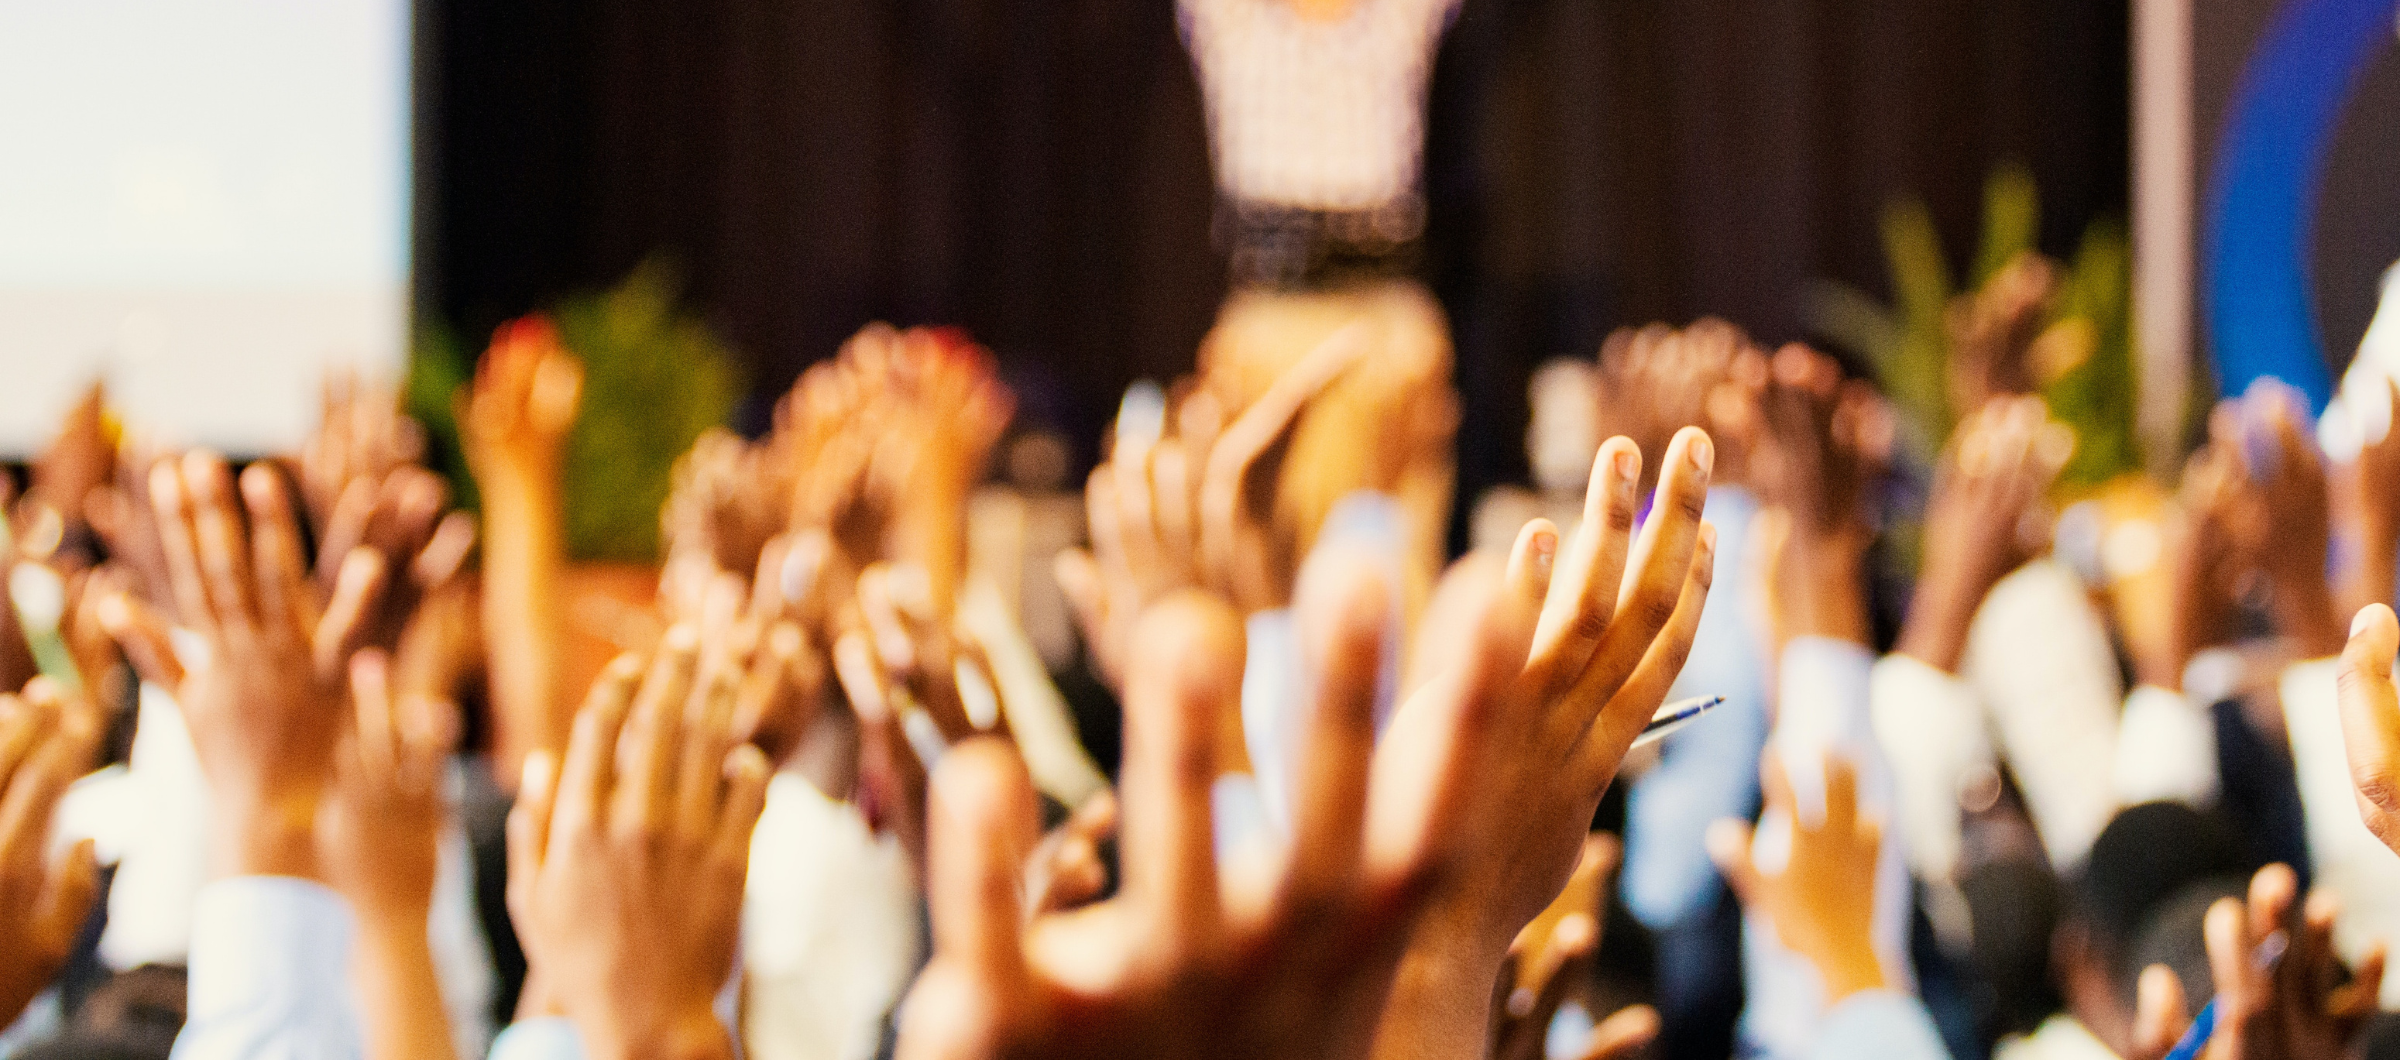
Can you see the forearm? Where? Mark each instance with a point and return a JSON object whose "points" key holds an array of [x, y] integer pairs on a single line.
{"points": [[523, 615], [400, 998], [1831, 595], [1939, 614]]}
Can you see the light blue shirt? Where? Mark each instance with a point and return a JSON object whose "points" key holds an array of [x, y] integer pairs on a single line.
{"points": [[270, 973], [1710, 769], [545, 1038], [1877, 1025]]}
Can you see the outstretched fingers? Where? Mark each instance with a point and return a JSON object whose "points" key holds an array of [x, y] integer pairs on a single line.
{"points": [[1656, 576], [1583, 591], [1175, 704], [981, 831], [1344, 607], [1629, 710]]}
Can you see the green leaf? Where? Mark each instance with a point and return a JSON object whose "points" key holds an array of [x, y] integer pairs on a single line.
{"points": [[654, 379], [2012, 220]]}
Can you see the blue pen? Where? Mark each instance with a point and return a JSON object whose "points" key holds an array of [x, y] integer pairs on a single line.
{"points": [[1675, 716], [2195, 1037]]}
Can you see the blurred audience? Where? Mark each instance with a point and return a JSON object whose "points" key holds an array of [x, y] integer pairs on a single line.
{"points": [[1226, 756]]}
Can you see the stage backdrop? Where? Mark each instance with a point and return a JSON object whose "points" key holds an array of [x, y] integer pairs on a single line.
{"points": [[204, 202], [1036, 170]]}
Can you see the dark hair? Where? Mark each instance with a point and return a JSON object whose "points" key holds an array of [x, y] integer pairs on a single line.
{"points": [[2173, 935], [2146, 854]]}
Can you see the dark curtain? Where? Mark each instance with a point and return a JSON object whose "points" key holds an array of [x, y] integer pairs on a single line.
{"points": [[1036, 170]]}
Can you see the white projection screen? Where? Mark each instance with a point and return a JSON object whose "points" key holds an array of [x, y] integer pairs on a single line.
{"points": [[206, 203]]}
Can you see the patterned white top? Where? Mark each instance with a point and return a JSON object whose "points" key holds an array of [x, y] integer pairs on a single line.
{"points": [[1316, 115]]}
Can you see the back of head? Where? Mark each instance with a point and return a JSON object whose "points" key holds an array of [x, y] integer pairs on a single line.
{"points": [[2146, 854], [2173, 935]]}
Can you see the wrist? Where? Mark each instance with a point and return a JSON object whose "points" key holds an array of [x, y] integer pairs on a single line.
{"points": [[1849, 970], [266, 838]]}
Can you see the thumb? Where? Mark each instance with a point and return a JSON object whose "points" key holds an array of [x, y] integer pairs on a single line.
{"points": [[2371, 719], [2160, 1014], [143, 636], [1729, 846]]}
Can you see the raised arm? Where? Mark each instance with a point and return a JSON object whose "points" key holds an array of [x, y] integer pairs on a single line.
{"points": [[514, 422]]}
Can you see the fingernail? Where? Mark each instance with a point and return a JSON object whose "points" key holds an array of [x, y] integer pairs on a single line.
{"points": [[1545, 553], [1703, 453], [2358, 624], [1628, 467]]}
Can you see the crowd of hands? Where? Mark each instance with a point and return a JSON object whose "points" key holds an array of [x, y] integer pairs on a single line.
{"points": [[315, 614]]}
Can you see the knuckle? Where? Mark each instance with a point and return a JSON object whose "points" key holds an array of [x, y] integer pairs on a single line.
{"points": [[1589, 624], [1656, 609], [1692, 504]]}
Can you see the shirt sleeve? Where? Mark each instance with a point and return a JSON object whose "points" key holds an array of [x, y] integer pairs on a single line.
{"points": [[1878, 1025], [2347, 858], [1932, 731], [546, 1038], [270, 973], [2166, 749], [2039, 658]]}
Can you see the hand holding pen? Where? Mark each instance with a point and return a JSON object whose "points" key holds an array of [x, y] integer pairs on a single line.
{"points": [[2282, 992]]}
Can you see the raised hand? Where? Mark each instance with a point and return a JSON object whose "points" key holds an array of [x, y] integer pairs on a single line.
{"points": [[360, 435], [2281, 992], [627, 857], [400, 516], [1822, 444], [377, 835], [513, 422], [1658, 380], [45, 743], [1999, 462], [2205, 562], [887, 441], [2288, 527], [1180, 963], [265, 698], [80, 458], [515, 416], [1613, 617], [1993, 331], [1822, 900], [1195, 508], [1291, 957]]}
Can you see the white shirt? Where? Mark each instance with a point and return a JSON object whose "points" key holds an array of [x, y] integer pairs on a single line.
{"points": [[270, 973], [1316, 115], [2349, 860], [2038, 657]]}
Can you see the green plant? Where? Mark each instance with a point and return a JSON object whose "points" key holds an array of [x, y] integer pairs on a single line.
{"points": [[2083, 362], [654, 378]]}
